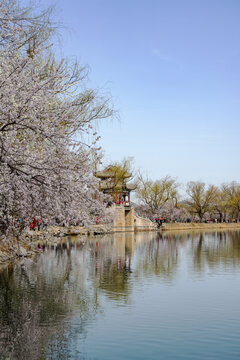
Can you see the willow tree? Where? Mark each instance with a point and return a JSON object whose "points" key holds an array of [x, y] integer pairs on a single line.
{"points": [[220, 203], [156, 194], [201, 198], [232, 193], [121, 172], [46, 115]]}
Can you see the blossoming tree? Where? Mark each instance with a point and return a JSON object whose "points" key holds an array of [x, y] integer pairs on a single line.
{"points": [[46, 119]]}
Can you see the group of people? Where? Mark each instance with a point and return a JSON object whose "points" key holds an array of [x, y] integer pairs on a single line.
{"points": [[221, 220], [159, 221], [34, 224]]}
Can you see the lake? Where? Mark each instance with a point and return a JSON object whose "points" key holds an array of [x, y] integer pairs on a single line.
{"points": [[125, 296]]}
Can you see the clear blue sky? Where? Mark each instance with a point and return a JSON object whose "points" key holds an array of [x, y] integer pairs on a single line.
{"points": [[173, 69]]}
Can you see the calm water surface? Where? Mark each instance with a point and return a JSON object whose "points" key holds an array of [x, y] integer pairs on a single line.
{"points": [[125, 296]]}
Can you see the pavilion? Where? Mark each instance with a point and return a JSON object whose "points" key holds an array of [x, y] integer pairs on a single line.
{"points": [[115, 184]]}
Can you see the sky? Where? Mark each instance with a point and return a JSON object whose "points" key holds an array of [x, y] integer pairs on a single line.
{"points": [[172, 69]]}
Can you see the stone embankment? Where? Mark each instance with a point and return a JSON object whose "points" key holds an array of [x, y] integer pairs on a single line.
{"points": [[80, 230], [200, 226], [17, 250], [143, 224], [28, 245]]}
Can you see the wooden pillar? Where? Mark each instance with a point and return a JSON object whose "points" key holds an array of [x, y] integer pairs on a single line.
{"points": [[116, 197], [121, 197], [129, 198]]}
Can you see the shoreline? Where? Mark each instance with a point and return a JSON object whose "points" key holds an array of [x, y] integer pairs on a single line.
{"points": [[200, 226], [28, 248]]}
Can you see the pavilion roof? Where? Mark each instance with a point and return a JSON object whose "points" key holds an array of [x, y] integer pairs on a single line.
{"points": [[109, 172], [119, 186]]}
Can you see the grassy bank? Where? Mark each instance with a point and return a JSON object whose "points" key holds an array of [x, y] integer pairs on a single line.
{"points": [[201, 226]]}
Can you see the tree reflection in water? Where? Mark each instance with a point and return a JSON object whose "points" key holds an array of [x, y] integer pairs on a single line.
{"points": [[47, 304], [36, 300], [158, 257], [217, 250], [111, 264]]}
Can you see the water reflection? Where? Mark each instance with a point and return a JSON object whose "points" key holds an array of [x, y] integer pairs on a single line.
{"points": [[36, 299], [47, 305], [111, 264], [215, 251], [158, 257]]}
